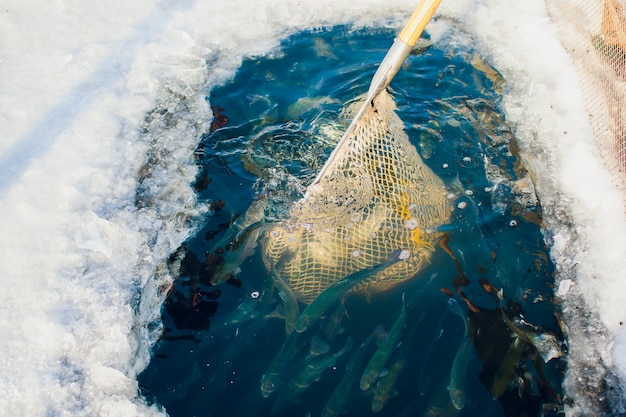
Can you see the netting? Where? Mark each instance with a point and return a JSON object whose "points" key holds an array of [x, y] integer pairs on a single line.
{"points": [[376, 197], [594, 34]]}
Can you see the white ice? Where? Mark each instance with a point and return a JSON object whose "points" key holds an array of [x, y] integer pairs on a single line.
{"points": [[78, 256]]}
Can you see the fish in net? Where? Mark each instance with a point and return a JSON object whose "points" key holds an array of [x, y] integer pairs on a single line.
{"points": [[377, 196], [374, 196]]}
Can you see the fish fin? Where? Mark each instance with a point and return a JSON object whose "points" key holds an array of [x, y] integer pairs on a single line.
{"points": [[380, 334], [277, 313], [318, 346], [368, 295]]}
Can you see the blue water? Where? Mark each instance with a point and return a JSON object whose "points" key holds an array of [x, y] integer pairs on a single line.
{"points": [[218, 341]]}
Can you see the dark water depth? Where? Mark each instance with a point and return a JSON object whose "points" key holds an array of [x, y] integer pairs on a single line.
{"points": [[275, 124]]}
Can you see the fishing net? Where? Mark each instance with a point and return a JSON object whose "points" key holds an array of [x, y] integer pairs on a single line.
{"points": [[376, 196], [594, 34]]}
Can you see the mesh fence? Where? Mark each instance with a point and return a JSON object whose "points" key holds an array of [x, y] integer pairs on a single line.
{"points": [[594, 34]]}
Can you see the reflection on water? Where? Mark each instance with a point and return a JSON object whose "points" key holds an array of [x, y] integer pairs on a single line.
{"points": [[475, 333]]}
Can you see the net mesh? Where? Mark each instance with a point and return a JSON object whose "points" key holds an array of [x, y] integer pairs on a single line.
{"points": [[376, 197], [594, 34]]}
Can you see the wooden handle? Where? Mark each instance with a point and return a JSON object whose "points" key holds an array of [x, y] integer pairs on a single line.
{"points": [[418, 21]]}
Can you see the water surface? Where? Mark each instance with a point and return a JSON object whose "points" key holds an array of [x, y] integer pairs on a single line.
{"points": [[275, 124]]}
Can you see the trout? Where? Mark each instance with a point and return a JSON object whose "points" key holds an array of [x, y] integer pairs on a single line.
{"points": [[386, 384], [545, 343], [271, 378], [311, 372], [242, 247], [339, 397], [336, 291], [458, 374], [382, 354], [285, 292]]}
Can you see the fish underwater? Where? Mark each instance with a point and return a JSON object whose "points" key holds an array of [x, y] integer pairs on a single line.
{"points": [[318, 347], [306, 104], [454, 306], [333, 323], [284, 362], [241, 239], [423, 381], [285, 292], [546, 343], [521, 391], [336, 291], [316, 361], [251, 307], [271, 379], [458, 373], [310, 372], [380, 357], [337, 401], [242, 247], [386, 385]]}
